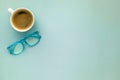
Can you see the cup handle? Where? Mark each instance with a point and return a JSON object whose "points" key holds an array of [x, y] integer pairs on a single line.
{"points": [[10, 10]]}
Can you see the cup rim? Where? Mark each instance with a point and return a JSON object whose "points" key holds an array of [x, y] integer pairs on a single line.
{"points": [[21, 30]]}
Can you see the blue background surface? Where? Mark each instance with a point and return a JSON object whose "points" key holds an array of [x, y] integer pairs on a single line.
{"points": [[80, 41]]}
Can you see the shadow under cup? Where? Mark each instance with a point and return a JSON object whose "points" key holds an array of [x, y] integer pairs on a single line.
{"points": [[22, 20]]}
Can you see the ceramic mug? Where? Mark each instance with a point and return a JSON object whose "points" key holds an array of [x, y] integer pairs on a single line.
{"points": [[22, 19]]}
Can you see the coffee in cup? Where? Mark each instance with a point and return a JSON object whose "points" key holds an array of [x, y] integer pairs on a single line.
{"points": [[21, 19]]}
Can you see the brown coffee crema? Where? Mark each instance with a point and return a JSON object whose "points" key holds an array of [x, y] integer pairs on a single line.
{"points": [[22, 19]]}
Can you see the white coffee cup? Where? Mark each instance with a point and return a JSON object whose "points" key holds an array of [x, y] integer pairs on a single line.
{"points": [[29, 22]]}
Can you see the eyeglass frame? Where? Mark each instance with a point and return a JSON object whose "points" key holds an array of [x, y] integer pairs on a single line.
{"points": [[23, 42]]}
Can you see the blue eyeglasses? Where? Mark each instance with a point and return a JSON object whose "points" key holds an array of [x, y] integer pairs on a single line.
{"points": [[19, 46]]}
